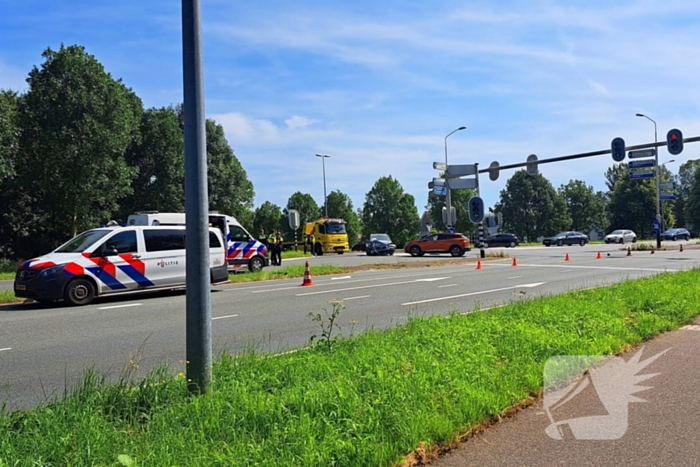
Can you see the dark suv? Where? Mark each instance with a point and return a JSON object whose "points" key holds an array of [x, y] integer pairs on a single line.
{"points": [[453, 243]]}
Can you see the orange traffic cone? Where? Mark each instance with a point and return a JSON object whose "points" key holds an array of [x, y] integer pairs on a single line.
{"points": [[515, 261], [598, 257], [567, 257], [307, 276], [681, 247], [652, 252], [478, 265], [629, 251]]}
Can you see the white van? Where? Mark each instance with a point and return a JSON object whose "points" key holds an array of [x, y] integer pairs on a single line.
{"points": [[113, 260], [243, 251]]}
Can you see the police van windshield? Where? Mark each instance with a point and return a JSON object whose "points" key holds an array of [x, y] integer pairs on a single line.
{"points": [[82, 242], [335, 228]]}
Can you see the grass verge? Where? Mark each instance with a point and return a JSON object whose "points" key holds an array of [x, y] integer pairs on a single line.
{"points": [[8, 296], [374, 400], [286, 272]]}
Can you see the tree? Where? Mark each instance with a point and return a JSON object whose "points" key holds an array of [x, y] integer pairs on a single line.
{"points": [[388, 209], [612, 175], [686, 176], [77, 123], [692, 203], [307, 207], [340, 207], [9, 133], [159, 157], [230, 191], [586, 208], [268, 217], [531, 207]]}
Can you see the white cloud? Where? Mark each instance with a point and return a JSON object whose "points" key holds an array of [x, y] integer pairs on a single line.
{"points": [[298, 122]]}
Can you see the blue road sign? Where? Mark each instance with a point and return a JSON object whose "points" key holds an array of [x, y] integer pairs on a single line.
{"points": [[638, 175], [451, 230], [440, 190], [656, 226], [666, 196], [642, 163], [641, 153]]}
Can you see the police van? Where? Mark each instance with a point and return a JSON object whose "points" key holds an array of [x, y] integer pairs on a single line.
{"points": [[243, 251], [114, 260]]}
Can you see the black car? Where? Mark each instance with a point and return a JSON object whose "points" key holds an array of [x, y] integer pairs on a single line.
{"points": [[676, 234], [361, 246], [566, 238], [502, 239]]}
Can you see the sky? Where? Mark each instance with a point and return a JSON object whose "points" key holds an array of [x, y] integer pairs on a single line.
{"points": [[379, 85]]}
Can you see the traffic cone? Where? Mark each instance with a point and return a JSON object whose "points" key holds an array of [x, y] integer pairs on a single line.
{"points": [[478, 265], [307, 276], [598, 257], [567, 257], [629, 251], [515, 261], [681, 248], [652, 252]]}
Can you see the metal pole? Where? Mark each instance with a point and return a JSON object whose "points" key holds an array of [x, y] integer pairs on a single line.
{"points": [[198, 301], [447, 182], [325, 197], [658, 190]]}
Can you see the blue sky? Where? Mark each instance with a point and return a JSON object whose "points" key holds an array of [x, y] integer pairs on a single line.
{"points": [[378, 85]]}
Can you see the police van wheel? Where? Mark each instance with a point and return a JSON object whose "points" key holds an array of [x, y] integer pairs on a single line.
{"points": [[79, 292], [255, 265]]}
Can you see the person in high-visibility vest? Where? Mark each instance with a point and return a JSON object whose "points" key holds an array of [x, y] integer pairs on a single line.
{"points": [[312, 240], [262, 238], [277, 249]]}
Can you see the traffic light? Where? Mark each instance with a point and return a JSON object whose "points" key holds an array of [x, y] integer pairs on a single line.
{"points": [[617, 147], [674, 140], [476, 209]]}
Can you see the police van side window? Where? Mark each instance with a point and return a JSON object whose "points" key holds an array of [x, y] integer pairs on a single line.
{"points": [[238, 234], [161, 239], [123, 242], [214, 240]]}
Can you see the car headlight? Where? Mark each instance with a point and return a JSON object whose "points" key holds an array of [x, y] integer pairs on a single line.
{"points": [[52, 270]]}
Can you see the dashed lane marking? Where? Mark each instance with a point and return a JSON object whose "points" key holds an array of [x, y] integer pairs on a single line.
{"points": [[355, 298], [451, 297], [222, 317], [118, 306], [6, 348]]}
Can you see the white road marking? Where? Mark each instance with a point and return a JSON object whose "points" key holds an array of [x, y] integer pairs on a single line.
{"points": [[689, 327], [448, 285], [431, 279], [338, 278], [362, 287], [6, 348], [119, 306], [610, 268], [535, 284], [222, 317], [354, 298], [514, 277], [483, 309]]}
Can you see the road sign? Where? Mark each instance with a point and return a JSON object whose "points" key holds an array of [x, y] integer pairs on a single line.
{"points": [[656, 226], [440, 190], [461, 183], [451, 230], [641, 153], [637, 175], [461, 170], [532, 164], [439, 166], [667, 185], [294, 219], [642, 163], [438, 182], [667, 196]]}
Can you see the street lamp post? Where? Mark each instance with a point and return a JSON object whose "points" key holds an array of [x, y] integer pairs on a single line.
{"points": [[325, 198], [447, 183], [658, 190]]}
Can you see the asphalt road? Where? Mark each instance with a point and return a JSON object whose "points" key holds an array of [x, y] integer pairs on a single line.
{"points": [[43, 349]]}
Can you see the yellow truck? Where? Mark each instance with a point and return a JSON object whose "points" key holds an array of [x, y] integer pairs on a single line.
{"points": [[330, 236]]}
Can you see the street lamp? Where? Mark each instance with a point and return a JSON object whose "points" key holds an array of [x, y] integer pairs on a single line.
{"points": [[449, 196], [325, 198], [658, 190]]}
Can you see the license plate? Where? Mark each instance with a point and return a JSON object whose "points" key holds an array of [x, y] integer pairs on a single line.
{"points": [[20, 287]]}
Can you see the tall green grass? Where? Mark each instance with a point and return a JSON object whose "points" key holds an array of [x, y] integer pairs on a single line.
{"points": [[371, 401]]}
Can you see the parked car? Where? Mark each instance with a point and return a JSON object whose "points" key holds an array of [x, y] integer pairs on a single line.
{"points": [[360, 246], [454, 243], [502, 239], [566, 238], [676, 234], [621, 236], [380, 244]]}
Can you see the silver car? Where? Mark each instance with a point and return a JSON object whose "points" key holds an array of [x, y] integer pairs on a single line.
{"points": [[621, 236]]}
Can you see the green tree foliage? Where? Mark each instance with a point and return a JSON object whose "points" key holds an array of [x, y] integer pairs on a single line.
{"points": [[692, 203], [308, 211], [586, 207], [388, 209], [531, 207], [686, 176], [9, 133], [159, 157], [340, 207], [230, 191], [633, 203], [77, 124], [268, 216]]}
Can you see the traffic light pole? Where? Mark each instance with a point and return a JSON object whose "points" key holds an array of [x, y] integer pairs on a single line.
{"points": [[482, 253]]}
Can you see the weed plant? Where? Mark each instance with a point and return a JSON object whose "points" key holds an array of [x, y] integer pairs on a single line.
{"points": [[371, 402]]}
